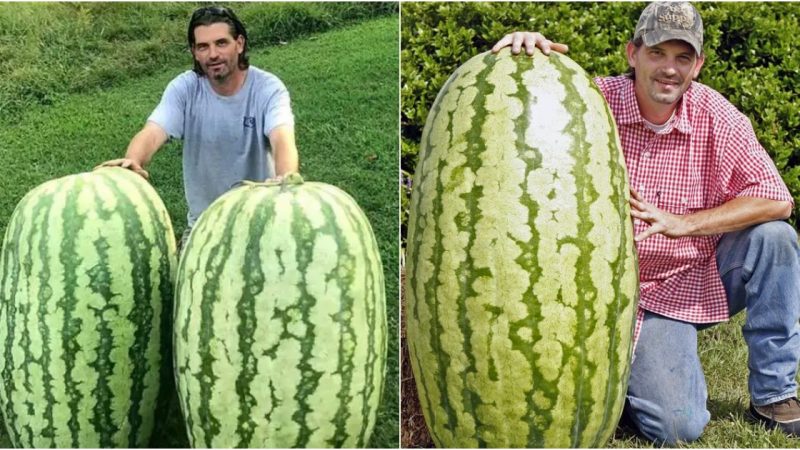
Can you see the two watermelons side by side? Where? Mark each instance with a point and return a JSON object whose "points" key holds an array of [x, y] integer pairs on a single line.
{"points": [[279, 326]]}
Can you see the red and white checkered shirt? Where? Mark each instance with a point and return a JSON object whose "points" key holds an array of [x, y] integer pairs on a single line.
{"points": [[707, 156]]}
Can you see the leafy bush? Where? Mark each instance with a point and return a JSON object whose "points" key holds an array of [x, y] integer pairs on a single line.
{"points": [[49, 50], [749, 59]]}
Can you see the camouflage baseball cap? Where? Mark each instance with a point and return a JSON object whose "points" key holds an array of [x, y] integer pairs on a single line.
{"points": [[664, 21]]}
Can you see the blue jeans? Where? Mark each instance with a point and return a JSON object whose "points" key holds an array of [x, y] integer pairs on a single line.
{"points": [[760, 269]]}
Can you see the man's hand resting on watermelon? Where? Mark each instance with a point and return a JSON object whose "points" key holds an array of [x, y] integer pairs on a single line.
{"points": [[126, 163], [140, 150], [529, 40]]}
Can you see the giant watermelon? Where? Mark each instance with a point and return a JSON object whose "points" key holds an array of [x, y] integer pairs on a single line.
{"points": [[86, 268], [280, 320], [521, 272]]}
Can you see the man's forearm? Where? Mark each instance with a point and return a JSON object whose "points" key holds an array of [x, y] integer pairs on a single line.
{"points": [[286, 162], [284, 150], [736, 214], [142, 147]]}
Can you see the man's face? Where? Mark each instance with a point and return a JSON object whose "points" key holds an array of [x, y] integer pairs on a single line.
{"points": [[216, 50], [665, 71]]}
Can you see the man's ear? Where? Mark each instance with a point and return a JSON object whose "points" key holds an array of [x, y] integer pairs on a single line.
{"points": [[700, 60], [630, 50]]}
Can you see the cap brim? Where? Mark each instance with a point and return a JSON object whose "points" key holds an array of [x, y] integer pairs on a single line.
{"points": [[651, 39]]}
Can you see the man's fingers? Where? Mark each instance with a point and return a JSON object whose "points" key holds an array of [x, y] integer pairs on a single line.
{"points": [[516, 42], [112, 163], [645, 234], [641, 215], [637, 205], [544, 44], [560, 48], [530, 43], [126, 164], [642, 236], [529, 40], [504, 42]]}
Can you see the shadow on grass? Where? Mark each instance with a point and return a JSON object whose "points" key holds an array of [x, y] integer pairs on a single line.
{"points": [[722, 410]]}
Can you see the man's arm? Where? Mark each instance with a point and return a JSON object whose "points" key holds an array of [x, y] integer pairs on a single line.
{"points": [[284, 150], [141, 149], [733, 215]]}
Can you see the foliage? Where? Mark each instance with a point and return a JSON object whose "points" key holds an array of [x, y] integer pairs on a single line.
{"points": [[749, 59], [50, 50], [344, 92]]}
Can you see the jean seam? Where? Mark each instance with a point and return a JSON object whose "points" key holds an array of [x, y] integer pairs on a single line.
{"points": [[774, 399], [740, 265]]}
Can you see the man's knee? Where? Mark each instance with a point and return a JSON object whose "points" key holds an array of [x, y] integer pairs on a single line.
{"points": [[669, 428], [771, 243], [777, 241], [775, 232], [683, 429]]}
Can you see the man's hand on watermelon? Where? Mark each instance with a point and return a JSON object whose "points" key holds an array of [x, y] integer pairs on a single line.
{"points": [[529, 40], [141, 149], [126, 163]]}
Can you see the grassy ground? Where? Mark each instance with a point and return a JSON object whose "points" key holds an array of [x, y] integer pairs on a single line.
{"points": [[344, 87], [724, 359], [50, 50]]}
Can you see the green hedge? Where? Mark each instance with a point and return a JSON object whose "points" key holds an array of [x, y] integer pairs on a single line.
{"points": [[49, 50], [750, 59]]}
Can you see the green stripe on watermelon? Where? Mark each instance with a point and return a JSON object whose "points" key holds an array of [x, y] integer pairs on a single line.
{"points": [[493, 232]]}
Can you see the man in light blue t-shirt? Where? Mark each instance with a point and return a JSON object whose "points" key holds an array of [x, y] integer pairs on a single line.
{"points": [[235, 120]]}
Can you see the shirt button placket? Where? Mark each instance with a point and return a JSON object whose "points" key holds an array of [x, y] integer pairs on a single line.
{"points": [[645, 171]]}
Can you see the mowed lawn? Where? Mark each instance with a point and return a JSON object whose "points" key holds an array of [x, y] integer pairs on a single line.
{"points": [[344, 88]]}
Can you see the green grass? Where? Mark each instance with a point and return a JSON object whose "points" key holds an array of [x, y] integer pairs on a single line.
{"points": [[50, 50], [344, 88]]}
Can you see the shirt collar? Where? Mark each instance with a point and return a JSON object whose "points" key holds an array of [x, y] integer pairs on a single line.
{"points": [[630, 110]]}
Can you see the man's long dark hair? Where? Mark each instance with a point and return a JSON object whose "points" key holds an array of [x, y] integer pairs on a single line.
{"points": [[208, 15]]}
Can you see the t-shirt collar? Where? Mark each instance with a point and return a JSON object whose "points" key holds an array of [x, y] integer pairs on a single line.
{"points": [[630, 110]]}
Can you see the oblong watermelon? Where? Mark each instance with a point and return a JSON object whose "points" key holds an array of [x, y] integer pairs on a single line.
{"points": [[86, 268], [521, 272], [280, 320]]}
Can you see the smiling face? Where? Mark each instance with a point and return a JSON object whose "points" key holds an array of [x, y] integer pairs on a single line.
{"points": [[664, 71], [217, 51]]}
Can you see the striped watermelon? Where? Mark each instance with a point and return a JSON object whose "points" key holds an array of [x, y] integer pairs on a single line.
{"points": [[521, 272], [86, 267], [280, 320]]}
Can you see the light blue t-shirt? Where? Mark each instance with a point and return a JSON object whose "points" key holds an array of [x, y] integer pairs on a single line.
{"points": [[225, 139]]}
